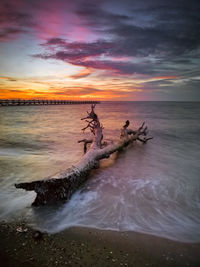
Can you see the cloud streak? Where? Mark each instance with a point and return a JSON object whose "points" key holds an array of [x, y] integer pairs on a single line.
{"points": [[82, 74]]}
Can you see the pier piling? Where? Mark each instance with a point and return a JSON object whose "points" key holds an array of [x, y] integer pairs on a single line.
{"points": [[21, 102]]}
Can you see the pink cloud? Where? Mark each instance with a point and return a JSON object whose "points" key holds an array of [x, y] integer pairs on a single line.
{"points": [[91, 55]]}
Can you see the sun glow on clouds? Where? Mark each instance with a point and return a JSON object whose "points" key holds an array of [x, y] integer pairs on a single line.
{"points": [[68, 88], [83, 73], [101, 50]]}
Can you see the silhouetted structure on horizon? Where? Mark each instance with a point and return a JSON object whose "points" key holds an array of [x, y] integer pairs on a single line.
{"points": [[20, 102]]}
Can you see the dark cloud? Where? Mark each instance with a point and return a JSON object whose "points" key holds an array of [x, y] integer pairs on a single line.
{"points": [[79, 49], [55, 41], [84, 54], [13, 21], [164, 35], [9, 15], [96, 16], [156, 27], [9, 33], [117, 67], [159, 82]]}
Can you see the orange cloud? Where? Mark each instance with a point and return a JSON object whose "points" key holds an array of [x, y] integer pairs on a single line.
{"points": [[8, 79], [171, 77], [66, 89], [65, 93], [84, 73], [13, 94]]}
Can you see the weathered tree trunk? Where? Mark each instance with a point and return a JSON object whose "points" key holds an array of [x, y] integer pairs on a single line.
{"points": [[62, 185]]}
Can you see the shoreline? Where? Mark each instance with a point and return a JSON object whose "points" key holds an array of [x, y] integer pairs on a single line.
{"points": [[20, 244]]}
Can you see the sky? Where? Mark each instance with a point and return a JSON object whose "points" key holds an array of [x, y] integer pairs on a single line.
{"points": [[145, 50]]}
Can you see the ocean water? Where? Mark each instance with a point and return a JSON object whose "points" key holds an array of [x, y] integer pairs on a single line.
{"points": [[152, 188]]}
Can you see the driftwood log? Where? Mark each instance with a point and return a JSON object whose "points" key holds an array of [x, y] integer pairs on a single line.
{"points": [[62, 185]]}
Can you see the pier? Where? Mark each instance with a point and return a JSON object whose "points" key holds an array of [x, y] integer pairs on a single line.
{"points": [[20, 102]]}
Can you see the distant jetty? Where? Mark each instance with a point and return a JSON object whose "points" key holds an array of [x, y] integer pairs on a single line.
{"points": [[20, 102]]}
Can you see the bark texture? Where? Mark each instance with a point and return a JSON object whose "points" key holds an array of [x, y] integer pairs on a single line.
{"points": [[62, 185]]}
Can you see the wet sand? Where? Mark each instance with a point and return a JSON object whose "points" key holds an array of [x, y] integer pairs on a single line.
{"points": [[21, 245]]}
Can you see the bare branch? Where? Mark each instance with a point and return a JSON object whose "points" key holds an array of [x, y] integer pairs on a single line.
{"points": [[85, 141], [144, 140], [126, 124]]}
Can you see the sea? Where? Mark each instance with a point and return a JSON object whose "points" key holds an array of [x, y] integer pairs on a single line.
{"points": [[151, 188]]}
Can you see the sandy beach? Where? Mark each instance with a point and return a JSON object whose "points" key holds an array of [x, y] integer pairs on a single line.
{"points": [[21, 245]]}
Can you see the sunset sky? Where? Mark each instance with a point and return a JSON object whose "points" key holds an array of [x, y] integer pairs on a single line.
{"points": [[100, 49]]}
